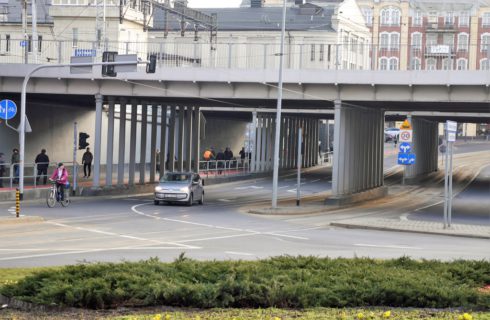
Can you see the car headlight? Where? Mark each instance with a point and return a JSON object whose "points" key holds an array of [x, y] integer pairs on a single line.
{"points": [[158, 188], [185, 189]]}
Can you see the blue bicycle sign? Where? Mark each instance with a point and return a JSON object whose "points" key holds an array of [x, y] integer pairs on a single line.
{"points": [[8, 109]]}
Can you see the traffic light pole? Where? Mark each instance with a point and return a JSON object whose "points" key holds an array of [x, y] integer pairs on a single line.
{"points": [[22, 126]]}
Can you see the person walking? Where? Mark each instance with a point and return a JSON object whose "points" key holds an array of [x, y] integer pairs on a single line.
{"points": [[220, 159], [157, 160], [228, 157], [2, 169], [60, 176], [42, 163], [242, 154], [395, 141], [87, 163], [14, 161]]}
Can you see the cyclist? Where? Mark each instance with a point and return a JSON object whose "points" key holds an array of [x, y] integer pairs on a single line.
{"points": [[60, 175]]}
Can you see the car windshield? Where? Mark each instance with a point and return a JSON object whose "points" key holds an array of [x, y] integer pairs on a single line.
{"points": [[176, 178]]}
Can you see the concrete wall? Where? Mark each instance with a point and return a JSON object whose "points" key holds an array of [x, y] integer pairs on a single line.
{"points": [[222, 133]]}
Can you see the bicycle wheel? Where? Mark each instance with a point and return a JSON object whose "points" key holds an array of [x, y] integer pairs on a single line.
{"points": [[66, 200], [51, 199]]}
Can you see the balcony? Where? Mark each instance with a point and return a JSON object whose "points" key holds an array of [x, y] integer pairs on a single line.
{"points": [[441, 28], [438, 50]]}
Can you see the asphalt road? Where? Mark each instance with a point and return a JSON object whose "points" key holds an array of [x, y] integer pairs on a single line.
{"points": [[133, 228]]}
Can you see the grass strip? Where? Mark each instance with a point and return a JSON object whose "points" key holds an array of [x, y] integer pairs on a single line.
{"points": [[282, 282]]}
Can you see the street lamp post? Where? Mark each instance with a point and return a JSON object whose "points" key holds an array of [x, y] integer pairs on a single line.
{"points": [[275, 175], [22, 126]]}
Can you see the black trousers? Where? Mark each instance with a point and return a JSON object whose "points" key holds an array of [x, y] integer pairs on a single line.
{"points": [[85, 167], [61, 191], [42, 172]]}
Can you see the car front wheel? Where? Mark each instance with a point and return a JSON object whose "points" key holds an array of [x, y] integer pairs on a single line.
{"points": [[191, 200], [201, 201]]}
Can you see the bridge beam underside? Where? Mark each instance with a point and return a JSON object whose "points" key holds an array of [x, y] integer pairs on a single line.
{"points": [[424, 145], [357, 172]]}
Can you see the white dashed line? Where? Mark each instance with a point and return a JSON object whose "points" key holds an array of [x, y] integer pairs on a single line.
{"points": [[239, 253], [385, 246]]}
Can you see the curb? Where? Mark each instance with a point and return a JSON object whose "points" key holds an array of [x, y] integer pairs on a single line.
{"points": [[364, 227], [290, 210]]}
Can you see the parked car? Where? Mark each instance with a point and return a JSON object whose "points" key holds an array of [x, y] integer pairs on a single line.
{"points": [[183, 187]]}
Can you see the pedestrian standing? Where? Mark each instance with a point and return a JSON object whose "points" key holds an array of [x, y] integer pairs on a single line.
{"points": [[395, 141], [220, 159], [2, 169], [87, 162], [242, 154], [228, 157], [42, 163], [157, 160], [14, 161]]}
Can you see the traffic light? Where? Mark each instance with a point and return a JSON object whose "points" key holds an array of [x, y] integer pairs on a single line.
{"points": [[82, 140], [151, 67], [109, 56]]}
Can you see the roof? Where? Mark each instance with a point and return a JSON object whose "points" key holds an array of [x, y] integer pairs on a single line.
{"points": [[305, 18]]}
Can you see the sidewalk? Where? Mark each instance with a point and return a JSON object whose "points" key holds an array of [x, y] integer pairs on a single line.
{"points": [[416, 226]]}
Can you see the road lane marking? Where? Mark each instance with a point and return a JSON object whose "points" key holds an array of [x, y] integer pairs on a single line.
{"points": [[253, 232], [315, 180], [121, 235], [239, 253], [219, 238], [225, 200], [385, 246], [248, 187], [284, 187]]}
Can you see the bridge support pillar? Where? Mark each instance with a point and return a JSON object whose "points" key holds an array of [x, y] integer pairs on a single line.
{"points": [[110, 143], [122, 142], [163, 140], [98, 139], [132, 141], [171, 140], [357, 171], [424, 146], [153, 142], [144, 125], [196, 137]]}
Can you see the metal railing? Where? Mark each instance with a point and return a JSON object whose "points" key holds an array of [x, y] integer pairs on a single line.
{"points": [[351, 56], [31, 176], [218, 168]]}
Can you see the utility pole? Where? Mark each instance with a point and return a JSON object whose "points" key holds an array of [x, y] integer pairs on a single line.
{"points": [[24, 30], [34, 31]]}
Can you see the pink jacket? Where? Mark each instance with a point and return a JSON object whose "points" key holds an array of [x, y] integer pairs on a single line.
{"points": [[64, 176]]}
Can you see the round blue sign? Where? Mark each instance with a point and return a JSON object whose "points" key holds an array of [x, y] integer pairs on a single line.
{"points": [[8, 109]]}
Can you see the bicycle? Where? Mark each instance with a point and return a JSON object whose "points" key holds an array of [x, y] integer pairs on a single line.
{"points": [[54, 196]]}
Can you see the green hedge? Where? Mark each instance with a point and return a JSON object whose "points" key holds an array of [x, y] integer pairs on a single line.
{"points": [[284, 282]]}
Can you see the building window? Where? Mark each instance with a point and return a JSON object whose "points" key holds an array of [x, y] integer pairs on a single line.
{"points": [[485, 42], [395, 41], [449, 19], [322, 52], [448, 40], [462, 64], [390, 17], [417, 19], [384, 42], [394, 64], [464, 19], [485, 64], [74, 37], [346, 43], [447, 64], [463, 42], [312, 52], [39, 43], [383, 63], [361, 47], [29, 43], [7, 43], [368, 15], [486, 19], [390, 40], [430, 64], [416, 64], [416, 41], [430, 39]]}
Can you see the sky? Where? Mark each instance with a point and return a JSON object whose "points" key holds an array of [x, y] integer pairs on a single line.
{"points": [[214, 3]]}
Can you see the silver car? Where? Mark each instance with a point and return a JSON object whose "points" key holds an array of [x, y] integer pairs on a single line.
{"points": [[184, 187]]}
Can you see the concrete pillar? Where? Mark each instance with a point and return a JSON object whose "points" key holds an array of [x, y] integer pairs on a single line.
{"points": [[271, 143], [110, 142], [171, 139], [253, 150], [317, 140], [306, 139], [293, 142], [132, 141], [180, 139], [258, 144], [188, 140], [163, 140], [144, 124], [282, 145], [196, 137], [425, 147], [98, 134], [263, 153], [153, 142], [122, 142], [357, 172]]}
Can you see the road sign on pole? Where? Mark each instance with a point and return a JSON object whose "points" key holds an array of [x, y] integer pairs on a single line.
{"points": [[8, 109], [405, 135], [451, 128], [405, 147]]}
